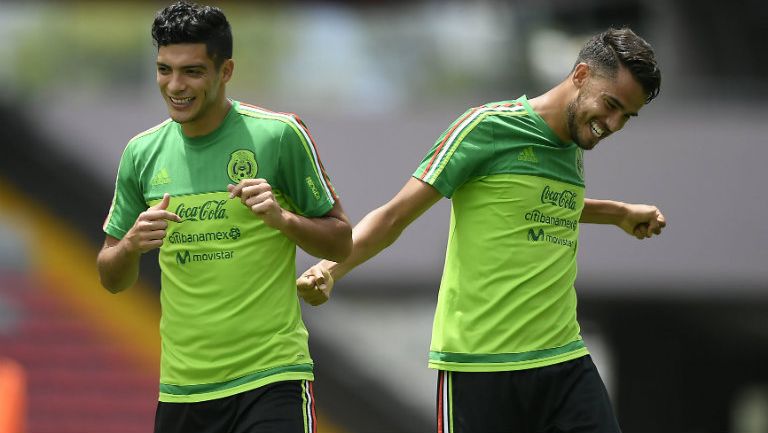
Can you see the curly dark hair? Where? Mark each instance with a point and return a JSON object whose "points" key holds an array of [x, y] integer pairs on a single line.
{"points": [[607, 50], [184, 22]]}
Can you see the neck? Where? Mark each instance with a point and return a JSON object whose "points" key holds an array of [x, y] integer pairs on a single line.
{"points": [[552, 106], [213, 119]]}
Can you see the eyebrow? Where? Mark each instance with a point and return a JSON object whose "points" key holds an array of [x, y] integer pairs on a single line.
{"points": [[620, 105], [192, 66]]}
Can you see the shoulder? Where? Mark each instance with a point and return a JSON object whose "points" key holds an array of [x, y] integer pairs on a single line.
{"points": [[254, 113], [287, 125], [149, 139], [151, 133], [488, 113], [514, 108]]}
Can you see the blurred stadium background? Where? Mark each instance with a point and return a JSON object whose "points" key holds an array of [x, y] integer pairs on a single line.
{"points": [[678, 325]]}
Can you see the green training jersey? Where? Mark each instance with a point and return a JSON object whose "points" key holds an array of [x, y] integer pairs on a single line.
{"points": [[231, 319], [506, 300]]}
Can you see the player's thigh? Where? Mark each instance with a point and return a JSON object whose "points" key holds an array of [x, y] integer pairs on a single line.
{"points": [[477, 402], [577, 399]]}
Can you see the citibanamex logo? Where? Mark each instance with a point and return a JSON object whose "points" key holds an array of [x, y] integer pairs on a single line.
{"points": [[565, 199], [234, 233], [210, 210]]}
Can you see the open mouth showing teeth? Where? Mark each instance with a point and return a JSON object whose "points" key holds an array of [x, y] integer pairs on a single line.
{"points": [[597, 130], [181, 101]]}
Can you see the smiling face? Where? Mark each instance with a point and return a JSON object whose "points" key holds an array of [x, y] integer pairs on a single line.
{"points": [[603, 104], [193, 87]]}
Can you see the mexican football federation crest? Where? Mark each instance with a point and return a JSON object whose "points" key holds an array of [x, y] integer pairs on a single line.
{"points": [[242, 165]]}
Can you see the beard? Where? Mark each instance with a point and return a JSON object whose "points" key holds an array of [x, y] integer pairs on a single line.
{"points": [[571, 110]]}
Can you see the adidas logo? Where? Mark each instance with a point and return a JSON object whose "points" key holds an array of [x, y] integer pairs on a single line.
{"points": [[160, 178], [527, 155]]}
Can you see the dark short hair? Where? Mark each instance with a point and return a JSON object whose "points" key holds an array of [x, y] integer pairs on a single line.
{"points": [[614, 47], [188, 23]]}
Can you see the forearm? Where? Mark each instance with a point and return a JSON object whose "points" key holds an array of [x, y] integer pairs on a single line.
{"points": [[327, 237], [381, 227], [375, 232], [603, 211], [118, 268]]}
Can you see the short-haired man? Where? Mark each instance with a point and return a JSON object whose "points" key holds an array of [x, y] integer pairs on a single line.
{"points": [[226, 190], [505, 340]]}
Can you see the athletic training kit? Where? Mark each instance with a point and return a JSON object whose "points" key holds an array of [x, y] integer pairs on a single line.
{"points": [[506, 298], [231, 320], [505, 336]]}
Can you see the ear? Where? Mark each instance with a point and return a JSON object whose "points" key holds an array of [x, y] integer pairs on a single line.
{"points": [[226, 70], [580, 74]]}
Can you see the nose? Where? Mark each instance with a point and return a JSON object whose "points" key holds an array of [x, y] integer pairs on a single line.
{"points": [[176, 83]]}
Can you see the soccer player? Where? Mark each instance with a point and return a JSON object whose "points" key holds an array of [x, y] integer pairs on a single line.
{"points": [[506, 341], [226, 190]]}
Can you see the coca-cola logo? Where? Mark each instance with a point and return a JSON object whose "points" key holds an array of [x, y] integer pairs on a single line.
{"points": [[565, 199], [210, 210]]}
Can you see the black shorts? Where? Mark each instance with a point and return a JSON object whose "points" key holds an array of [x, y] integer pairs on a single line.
{"points": [[281, 407], [566, 397]]}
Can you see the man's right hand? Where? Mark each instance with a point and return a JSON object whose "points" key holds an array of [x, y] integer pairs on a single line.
{"points": [[148, 231], [315, 285]]}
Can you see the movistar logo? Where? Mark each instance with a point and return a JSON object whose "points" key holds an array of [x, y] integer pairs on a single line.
{"points": [[527, 155], [535, 236], [210, 210], [565, 199], [184, 257], [160, 178]]}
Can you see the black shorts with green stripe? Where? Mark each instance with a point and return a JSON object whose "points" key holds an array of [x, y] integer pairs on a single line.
{"points": [[565, 397], [284, 407]]}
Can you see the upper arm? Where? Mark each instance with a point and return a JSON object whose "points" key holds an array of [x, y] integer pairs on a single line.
{"points": [[302, 176], [457, 155], [128, 199], [413, 200], [109, 241], [337, 212]]}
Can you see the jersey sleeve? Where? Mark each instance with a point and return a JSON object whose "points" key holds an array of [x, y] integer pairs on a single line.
{"points": [[457, 155], [128, 201], [302, 177]]}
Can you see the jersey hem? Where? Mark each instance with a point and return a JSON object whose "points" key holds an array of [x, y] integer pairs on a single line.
{"points": [[320, 211], [280, 377], [506, 366], [114, 231], [443, 189]]}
